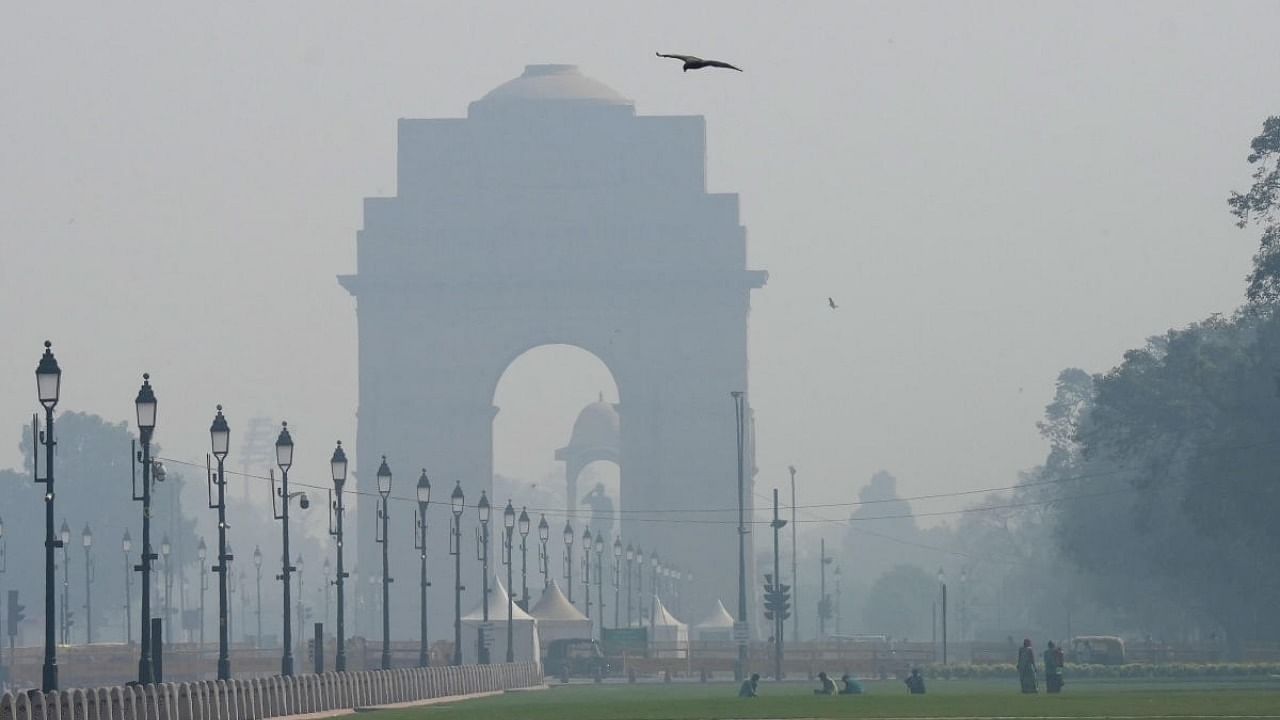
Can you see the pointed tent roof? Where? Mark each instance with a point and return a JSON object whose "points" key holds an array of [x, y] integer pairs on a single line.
{"points": [[661, 615], [497, 606], [719, 618], [553, 605]]}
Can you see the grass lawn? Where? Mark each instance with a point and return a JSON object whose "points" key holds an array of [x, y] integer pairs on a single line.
{"points": [[957, 698]]}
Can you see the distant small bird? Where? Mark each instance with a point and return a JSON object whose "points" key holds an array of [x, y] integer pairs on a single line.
{"points": [[693, 62], [832, 303]]}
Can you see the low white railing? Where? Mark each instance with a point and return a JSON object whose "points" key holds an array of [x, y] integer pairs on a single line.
{"points": [[267, 697]]}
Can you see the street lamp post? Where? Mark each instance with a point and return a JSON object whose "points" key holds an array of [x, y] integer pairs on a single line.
{"points": [[338, 471], [202, 555], [145, 407], [483, 639], [631, 556], [302, 627], [509, 526], [617, 581], [653, 586], [522, 525], [586, 574], [257, 576], [599, 547], [420, 544], [126, 544], [325, 569], [942, 583], [639, 586], [280, 511], [544, 561], [48, 387], [165, 550], [86, 539], [739, 404], [220, 441], [384, 490], [568, 558], [456, 504], [64, 535]]}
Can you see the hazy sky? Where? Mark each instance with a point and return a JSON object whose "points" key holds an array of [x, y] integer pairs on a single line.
{"points": [[991, 191]]}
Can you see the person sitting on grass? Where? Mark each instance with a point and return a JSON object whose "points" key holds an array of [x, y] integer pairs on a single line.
{"points": [[828, 687], [849, 686], [915, 682], [750, 686]]}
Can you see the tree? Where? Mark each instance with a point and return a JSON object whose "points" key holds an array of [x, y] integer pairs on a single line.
{"points": [[901, 602], [1259, 206], [92, 480]]}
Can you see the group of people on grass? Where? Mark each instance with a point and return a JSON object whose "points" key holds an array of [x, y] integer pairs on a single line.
{"points": [[848, 686], [1054, 660]]}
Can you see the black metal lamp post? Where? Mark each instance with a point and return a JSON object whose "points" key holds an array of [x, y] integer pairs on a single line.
{"points": [[420, 544], [631, 556], [586, 573], [257, 572], [639, 586], [280, 499], [64, 539], [599, 547], [145, 406], [220, 440], [568, 558], [483, 509], [384, 490], [202, 556], [509, 526], [522, 526], [325, 569], [544, 564], [48, 387], [617, 581], [653, 586], [456, 505], [338, 471], [942, 584], [301, 609], [86, 539], [165, 549], [126, 544]]}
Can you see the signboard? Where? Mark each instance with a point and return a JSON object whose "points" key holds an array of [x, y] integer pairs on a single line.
{"points": [[624, 641], [486, 635], [741, 633]]}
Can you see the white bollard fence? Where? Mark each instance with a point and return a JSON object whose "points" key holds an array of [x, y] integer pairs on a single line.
{"points": [[268, 697]]}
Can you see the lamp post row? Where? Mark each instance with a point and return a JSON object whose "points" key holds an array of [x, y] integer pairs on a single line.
{"points": [[48, 381]]}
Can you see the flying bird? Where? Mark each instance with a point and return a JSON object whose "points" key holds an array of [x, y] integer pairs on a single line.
{"points": [[693, 62], [832, 303]]}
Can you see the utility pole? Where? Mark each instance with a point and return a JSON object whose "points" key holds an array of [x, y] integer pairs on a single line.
{"points": [[776, 595], [740, 669], [824, 602], [795, 568]]}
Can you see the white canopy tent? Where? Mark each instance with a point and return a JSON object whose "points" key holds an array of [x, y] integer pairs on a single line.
{"points": [[716, 627], [524, 630], [669, 637], [558, 619]]}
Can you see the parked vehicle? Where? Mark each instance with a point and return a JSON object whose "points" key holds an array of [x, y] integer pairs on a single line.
{"points": [[575, 658], [1096, 650]]}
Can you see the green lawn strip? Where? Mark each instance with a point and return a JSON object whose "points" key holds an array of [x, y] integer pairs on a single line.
{"points": [[883, 700]]}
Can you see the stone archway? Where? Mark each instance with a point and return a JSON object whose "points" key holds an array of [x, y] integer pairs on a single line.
{"points": [[554, 214]]}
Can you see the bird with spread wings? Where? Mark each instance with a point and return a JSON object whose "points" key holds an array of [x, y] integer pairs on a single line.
{"points": [[693, 62]]}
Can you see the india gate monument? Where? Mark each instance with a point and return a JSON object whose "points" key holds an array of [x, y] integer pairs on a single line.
{"points": [[552, 213]]}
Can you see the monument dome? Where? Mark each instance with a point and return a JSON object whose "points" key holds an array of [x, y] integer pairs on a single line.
{"points": [[562, 84], [596, 426]]}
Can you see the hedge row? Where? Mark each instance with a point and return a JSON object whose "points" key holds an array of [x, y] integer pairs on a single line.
{"points": [[1133, 670]]}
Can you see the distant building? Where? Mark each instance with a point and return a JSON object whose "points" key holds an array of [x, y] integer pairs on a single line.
{"points": [[552, 213]]}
